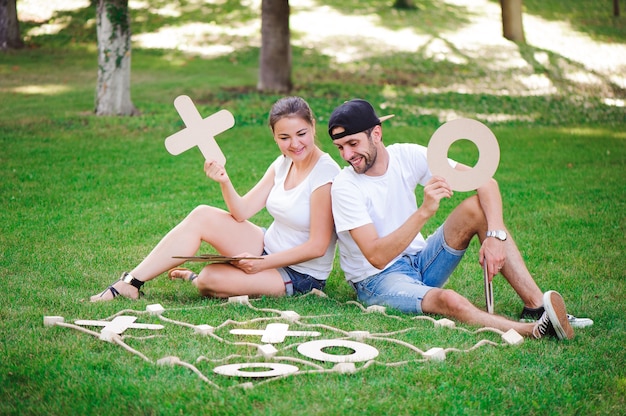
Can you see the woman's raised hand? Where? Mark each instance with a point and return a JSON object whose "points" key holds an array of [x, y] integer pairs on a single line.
{"points": [[215, 171]]}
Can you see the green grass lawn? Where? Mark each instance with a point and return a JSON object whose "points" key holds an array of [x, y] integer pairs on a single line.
{"points": [[83, 198]]}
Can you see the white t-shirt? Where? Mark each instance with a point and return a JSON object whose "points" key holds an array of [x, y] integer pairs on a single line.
{"points": [[385, 201], [291, 210]]}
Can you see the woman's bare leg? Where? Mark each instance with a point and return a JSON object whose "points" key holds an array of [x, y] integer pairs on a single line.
{"points": [[224, 280], [212, 225]]}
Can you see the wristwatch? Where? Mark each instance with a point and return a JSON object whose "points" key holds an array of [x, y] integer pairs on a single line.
{"points": [[499, 234]]}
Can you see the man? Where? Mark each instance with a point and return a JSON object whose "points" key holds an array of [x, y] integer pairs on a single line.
{"points": [[382, 251]]}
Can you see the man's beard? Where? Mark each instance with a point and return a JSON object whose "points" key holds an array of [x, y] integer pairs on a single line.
{"points": [[368, 159]]}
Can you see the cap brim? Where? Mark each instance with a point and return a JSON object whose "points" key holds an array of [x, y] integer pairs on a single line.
{"points": [[383, 118]]}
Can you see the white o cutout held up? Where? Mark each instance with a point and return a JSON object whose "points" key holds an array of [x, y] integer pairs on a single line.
{"points": [[477, 133]]}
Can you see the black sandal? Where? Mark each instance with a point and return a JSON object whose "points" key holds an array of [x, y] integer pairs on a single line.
{"points": [[126, 278]]}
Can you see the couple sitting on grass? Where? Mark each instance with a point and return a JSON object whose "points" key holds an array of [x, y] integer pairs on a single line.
{"points": [[372, 214]]}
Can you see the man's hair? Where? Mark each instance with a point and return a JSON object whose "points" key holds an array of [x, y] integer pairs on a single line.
{"points": [[354, 116]]}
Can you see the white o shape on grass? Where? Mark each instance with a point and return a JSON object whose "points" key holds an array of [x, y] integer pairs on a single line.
{"points": [[477, 133], [275, 369], [362, 352]]}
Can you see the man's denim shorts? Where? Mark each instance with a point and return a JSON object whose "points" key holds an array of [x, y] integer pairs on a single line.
{"points": [[404, 284]]}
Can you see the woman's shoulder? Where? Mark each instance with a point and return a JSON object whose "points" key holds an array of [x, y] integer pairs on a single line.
{"points": [[324, 171], [327, 162], [281, 165]]}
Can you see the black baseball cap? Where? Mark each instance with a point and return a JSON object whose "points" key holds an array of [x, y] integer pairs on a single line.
{"points": [[354, 116]]}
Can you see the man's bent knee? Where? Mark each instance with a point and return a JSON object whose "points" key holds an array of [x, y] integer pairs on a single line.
{"points": [[466, 221], [444, 302], [471, 209]]}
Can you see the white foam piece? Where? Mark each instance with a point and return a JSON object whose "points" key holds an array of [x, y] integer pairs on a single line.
{"points": [[268, 350], [291, 316], [108, 335], [512, 337], [204, 329], [345, 368], [435, 354], [119, 324], [445, 322], [361, 352], [89, 322], [155, 309], [52, 320], [169, 360], [358, 335], [275, 333], [376, 308], [244, 300], [238, 370]]}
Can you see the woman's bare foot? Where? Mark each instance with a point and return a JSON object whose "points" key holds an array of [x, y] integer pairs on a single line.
{"points": [[118, 288], [181, 273]]}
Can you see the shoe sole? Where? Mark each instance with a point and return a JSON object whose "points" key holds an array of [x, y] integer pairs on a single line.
{"points": [[575, 323], [555, 308], [581, 323]]}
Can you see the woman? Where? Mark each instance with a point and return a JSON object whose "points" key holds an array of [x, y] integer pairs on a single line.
{"points": [[294, 255]]}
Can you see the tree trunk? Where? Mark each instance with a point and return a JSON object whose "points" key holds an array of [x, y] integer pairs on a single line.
{"points": [[512, 26], [275, 60], [616, 8], [403, 4], [9, 26], [113, 30]]}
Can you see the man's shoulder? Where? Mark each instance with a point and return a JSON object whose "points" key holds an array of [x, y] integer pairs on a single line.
{"points": [[346, 178], [404, 147], [407, 153], [346, 174]]}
